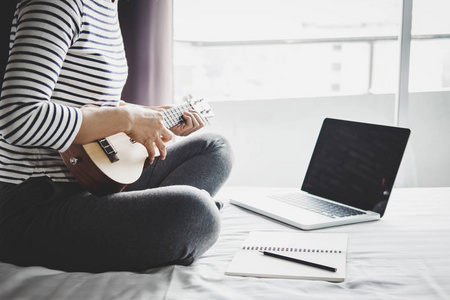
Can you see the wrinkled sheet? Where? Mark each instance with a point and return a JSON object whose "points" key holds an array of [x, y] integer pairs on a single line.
{"points": [[405, 255]]}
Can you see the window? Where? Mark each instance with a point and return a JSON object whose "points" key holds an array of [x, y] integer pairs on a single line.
{"points": [[430, 46], [275, 68], [265, 49], [259, 49], [428, 105]]}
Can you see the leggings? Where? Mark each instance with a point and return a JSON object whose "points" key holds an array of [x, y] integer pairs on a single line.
{"points": [[167, 217]]}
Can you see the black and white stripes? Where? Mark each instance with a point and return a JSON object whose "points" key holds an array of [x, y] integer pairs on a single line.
{"points": [[63, 55]]}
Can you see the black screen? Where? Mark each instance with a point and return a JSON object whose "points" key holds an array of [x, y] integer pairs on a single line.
{"points": [[356, 163]]}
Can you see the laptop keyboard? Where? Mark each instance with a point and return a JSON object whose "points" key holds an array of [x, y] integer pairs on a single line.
{"points": [[316, 205]]}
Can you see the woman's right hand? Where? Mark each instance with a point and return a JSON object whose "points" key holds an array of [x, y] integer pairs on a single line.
{"points": [[146, 127]]}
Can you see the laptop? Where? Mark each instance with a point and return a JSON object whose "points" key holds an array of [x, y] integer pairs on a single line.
{"points": [[349, 178]]}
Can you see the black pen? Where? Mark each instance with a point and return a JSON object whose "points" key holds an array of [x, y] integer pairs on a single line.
{"points": [[303, 262]]}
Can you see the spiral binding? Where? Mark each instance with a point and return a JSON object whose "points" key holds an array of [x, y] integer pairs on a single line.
{"points": [[287, 249]]}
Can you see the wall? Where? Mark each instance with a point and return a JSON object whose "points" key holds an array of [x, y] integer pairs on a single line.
{"points": [[273, 139], [429, 151]]}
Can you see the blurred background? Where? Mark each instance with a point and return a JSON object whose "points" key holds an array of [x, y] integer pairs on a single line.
{"points": [[274, 69]]}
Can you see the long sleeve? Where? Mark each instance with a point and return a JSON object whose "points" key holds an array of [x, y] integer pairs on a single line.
{"points": [[40, 39], [63, 55]]}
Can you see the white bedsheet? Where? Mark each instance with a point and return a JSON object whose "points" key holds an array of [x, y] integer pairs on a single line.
{"points": [[405, 255]]}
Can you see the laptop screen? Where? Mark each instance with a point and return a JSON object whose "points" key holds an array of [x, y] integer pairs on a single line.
{"points": [[356, 163]]}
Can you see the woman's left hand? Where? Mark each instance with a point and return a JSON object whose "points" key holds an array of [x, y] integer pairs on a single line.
{"points": [[193, 122]]}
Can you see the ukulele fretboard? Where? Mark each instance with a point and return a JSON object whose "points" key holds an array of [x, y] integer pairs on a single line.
{"points": [[174, 115]]}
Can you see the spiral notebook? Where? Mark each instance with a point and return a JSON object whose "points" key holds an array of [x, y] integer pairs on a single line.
{"points": [[327, 249]]}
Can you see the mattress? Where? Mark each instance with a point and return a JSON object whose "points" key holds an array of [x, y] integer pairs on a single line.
{"points": [[405, 255]]}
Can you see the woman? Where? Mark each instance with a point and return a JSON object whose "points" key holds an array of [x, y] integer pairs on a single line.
{"points": [[62, 87]]}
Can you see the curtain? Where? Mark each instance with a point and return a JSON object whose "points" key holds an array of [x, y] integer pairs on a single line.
{"points": [[147, 30], [7, 8]]}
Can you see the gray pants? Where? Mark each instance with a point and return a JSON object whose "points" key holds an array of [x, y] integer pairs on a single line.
{"points": [[166, 217]]}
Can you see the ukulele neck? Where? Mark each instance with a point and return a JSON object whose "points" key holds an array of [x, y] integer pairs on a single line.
{"points": [[174, 115]]}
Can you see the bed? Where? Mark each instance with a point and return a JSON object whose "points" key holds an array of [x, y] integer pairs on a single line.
{"points": [[405, 255]]}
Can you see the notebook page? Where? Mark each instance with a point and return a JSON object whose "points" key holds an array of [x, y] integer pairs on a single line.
{"points": [[328, 249]]}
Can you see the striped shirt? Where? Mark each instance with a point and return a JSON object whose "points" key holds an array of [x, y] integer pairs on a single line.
{"points": [[63, 55]]}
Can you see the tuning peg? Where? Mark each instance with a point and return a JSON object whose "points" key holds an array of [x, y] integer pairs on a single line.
{"points": [[197, 101], [187, 98]]}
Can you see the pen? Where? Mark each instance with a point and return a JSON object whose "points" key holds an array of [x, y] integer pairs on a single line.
{"points": [[303, 262]]}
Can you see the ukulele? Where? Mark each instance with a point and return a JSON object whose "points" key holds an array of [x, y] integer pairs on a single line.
{"points": [[108, 165]]}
